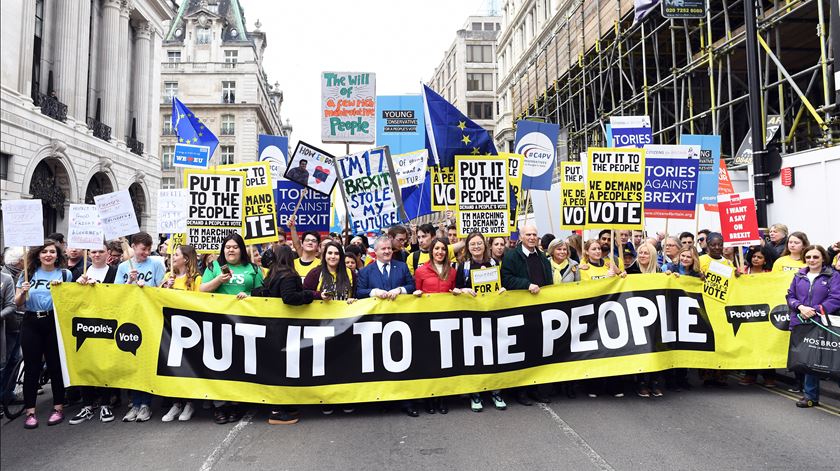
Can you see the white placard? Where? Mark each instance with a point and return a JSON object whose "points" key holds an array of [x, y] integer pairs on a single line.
{"points": [[117, 214], [172, 211], [23, 223], [348, 107], [85, 228], [410, 167]]}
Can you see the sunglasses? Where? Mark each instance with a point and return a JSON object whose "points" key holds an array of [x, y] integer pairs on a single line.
{"points": [[813, 257], [702, 239]]}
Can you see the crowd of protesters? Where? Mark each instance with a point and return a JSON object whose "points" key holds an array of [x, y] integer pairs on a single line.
{"points": [[403, 261]]}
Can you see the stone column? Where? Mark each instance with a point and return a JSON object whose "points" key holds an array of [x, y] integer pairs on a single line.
{"points": [[121, 130], [142, 61], [79, 108], [64, 53], [110, 57], [27, 31]]}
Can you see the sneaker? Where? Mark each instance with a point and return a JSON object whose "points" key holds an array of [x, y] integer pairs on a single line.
{"points": [[281, 417], [144, 414], [187, 413], [348, 409], [770, 383], [618, 394], [105, 414], [56, 417], [30, 422], [173, 413], [498, 402], [805, 403], [657, 392], [795, 389], [644, 392], [131, 416], [84, 415], [475, 403], [327, 409]]}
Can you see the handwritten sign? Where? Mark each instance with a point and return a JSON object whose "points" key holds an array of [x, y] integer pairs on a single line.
{"points": [[370, 190], [486, 280], [348, 107], [410, 168], [84, 230], [172, 211], [117, 214], [23, 223]]}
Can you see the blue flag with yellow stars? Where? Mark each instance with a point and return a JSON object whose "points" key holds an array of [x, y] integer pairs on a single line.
{"points": [[450, 133], [189, 129]]}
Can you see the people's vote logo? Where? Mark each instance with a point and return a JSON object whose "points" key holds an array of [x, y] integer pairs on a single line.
{"points": [[127, 336], [321, 174], [538, 152]]}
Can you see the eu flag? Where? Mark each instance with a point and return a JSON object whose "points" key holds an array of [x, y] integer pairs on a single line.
{"points": [[450, 133], [189, 129]]}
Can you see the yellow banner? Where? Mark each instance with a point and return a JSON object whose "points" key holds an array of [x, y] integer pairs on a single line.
{"points": [[515, 181], [258, 350]]}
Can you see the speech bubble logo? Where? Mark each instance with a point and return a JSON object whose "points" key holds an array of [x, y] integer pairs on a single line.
{"points": [[129, 338], [737, 315], [780, 317], [92, 328]]}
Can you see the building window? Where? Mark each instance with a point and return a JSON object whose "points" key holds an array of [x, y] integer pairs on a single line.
{"points": [[231, 58], [477, 53], [202, 36], [167, 183], [166, 154], [476, 26], [227, 155], [173, 56], [5, 165], [480, 109], [228, 91], [488, 27], [36, 50], [479, 82], [228, 124], [167, 125], [170, 91]]}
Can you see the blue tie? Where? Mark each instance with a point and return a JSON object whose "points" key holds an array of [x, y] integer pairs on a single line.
{"points": [[385, 276]]}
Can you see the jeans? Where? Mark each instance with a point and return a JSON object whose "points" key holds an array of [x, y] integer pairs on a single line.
{"points": [[812, 387], [141, 398], [38, 340]]}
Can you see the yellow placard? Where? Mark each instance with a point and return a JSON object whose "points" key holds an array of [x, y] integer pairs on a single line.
{"points": [[443, 188], [615, 188], [258, 210], [573, 196], [486, 280], [515, 162]]}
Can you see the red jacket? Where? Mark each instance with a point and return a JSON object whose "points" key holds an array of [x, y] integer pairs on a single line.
{"points": [[427, 280]]}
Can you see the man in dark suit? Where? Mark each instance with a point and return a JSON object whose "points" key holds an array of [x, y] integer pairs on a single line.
{"points": [[387, 278]]}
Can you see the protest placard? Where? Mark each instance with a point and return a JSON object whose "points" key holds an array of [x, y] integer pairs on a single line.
{"points": [[710, 162], [615, 188], [515, 163], [724, 186], [23, 223], [191, 156], [572, 197], [482, 194], [274, 150], [716, 283], [172, 211], [631, 131], [370, 190], [313, 213], [215, 208], [537, 143], [671, 181], [312, 168], [738, 220], [178, 239], [84, 229], [117, 214], [348, 107], [410, 167], [486, 280], [258, 206], [443, 188]]}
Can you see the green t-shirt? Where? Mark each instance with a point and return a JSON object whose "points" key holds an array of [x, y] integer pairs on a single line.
{"points": [[243, 278]]}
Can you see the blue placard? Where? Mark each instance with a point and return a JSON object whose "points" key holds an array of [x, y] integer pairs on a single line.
{"points": [[400, 123], [313, 213], [537, 142], [670, 187], [275, 151], [190, 156], [707, 186], [631, 131]]}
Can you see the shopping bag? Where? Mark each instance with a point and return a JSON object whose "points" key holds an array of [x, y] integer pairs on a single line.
{"points": [[815, 349]]}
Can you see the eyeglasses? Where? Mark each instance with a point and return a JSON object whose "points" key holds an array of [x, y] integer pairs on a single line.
{"points": [[701, 239]]}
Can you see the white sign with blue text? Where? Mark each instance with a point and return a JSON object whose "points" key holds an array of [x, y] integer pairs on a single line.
{"points": [[190, 156]]}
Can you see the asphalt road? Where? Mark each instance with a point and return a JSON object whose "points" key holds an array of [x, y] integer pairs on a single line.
{"points": [[735, 428]]}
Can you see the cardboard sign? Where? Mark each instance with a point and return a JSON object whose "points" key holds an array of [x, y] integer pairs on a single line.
{"points": [[572, 197], [117, 214], [370, 190], [443, 188], [313, 214], [23, 223], [348, 107], [215, 208], [671, 181], [178, 239], [483, 195], [716, 284], [312, 168], [172, 211], [738, 220], [84, 230], [258, 207], [191, 156], [631, 131], [486, 280], [410, 168], [515, 163], [615, 194]]}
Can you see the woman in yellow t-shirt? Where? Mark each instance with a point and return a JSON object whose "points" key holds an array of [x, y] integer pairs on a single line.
{"points": [[792, 258], [593, 265], [184, 276]]}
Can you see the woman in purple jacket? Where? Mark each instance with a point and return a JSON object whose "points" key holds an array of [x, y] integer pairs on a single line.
{"points": [[815, 289]]}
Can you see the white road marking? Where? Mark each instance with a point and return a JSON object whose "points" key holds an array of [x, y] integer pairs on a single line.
{"points": [[222, 447], [594, 457]]}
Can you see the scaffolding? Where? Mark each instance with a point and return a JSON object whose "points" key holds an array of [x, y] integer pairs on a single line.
{"points": [[689, 76]]}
